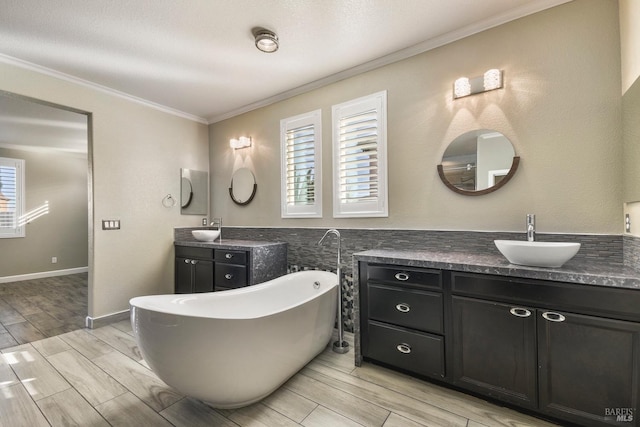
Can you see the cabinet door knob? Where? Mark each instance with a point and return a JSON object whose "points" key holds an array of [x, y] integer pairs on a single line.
{"points": [[403, 307], [193, 261], [404, 348], [187, 261], [228, 256], [402, 276], [553, 316], [520, 312], [228, 276]]}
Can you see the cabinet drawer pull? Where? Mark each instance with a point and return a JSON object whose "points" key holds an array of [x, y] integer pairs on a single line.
{"points": [[404, 348], [194, 262], [228, 256], [553, 317], [520, 312], [228, 276], [402, 276], [403, 308]]}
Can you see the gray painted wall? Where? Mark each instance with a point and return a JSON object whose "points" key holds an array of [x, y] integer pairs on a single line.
{"points": [[59, 180]]}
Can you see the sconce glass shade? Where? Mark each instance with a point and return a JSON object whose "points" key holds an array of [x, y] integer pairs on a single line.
{"points": [[267, 41], [492, 79], [461, 87], [242, 142]]}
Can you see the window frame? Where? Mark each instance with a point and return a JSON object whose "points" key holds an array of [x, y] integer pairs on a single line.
{"points": [[312, 210], [362, 105], [19, 230]]}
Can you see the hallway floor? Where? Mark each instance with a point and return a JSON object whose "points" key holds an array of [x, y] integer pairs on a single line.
{"points": [[98, 378], [31, 310]]}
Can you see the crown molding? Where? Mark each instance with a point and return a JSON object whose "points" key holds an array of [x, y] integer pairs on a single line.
{"points": [[6, 59], [450, 37]]}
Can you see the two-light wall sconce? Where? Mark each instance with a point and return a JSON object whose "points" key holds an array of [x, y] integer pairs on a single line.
{"points": [[465, 86], [242, 142]]}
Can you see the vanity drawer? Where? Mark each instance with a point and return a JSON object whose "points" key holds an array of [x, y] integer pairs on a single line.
{"points": [[400, 275], [230, 276], [231, 257], [406, 307], [194, 252], [412, 351]]}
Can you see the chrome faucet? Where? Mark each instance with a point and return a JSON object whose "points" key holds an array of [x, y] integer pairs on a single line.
{"points": [[531, 227], [217, 222], [339, 346]]}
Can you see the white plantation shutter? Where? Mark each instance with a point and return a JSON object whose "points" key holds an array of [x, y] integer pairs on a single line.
{"points": [[301, 142], [11, 197], [359, 156]]}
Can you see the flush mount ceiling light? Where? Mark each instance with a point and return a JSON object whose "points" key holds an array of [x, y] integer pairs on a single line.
{"points": [[266, 41]]}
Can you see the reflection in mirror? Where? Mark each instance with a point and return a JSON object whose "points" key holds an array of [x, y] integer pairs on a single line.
{"points": [[194, 192], [243, 186], [186, 192], [478, 162]]}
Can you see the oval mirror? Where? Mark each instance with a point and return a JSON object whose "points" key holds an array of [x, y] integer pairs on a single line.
{"points": [[478, 162], [243, 186]]}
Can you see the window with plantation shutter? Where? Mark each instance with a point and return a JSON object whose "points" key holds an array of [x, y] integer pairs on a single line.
{"points": [[301, 142], [360, 157], [11, 197]]}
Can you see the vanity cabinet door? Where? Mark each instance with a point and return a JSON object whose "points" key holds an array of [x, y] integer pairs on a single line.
{"points": [[183, 281], [494, 350], [193, 275], [589, 368]]}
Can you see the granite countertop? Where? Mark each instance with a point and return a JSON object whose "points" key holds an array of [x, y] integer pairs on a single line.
{"points": [[588, 272], [228, 244]]}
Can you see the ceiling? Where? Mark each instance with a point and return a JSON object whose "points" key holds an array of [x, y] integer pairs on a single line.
{"points": [[197, 59]]}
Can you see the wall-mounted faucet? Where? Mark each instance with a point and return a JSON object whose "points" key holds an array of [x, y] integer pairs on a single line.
{"points": [[531, 227]]}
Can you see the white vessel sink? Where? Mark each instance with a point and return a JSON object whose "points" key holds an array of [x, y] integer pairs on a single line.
{"points": [[537, 254], [206, 235]]}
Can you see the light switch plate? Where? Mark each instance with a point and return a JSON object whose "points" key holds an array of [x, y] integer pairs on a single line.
{"points": [[111, 224]]}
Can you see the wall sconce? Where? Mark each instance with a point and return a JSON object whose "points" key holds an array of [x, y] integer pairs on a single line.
{"points": [[242, 142], [465, 86]]}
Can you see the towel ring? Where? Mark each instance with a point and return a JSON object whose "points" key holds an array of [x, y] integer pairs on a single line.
{"points": [[169, 201]]}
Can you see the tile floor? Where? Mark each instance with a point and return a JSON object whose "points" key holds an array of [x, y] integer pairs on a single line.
{"points": [[31, 310], [98, 378]]}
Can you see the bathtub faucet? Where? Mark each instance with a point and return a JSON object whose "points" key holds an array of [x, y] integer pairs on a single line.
{"points": [[339, 346]]}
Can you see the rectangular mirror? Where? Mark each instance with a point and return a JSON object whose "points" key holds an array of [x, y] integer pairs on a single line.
{"points": [[194, 192]]}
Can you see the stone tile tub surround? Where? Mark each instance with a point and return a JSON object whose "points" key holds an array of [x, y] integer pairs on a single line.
{"points": [[304, 252]]}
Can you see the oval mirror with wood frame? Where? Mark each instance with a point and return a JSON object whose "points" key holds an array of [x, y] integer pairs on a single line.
{"points": [[243, 186], [478, 162]]}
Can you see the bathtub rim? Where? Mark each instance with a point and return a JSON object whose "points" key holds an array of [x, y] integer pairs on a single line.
{"points": [[221, 295]]}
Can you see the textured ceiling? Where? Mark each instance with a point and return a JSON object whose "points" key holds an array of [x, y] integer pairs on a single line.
{"points": [[197, 58]]}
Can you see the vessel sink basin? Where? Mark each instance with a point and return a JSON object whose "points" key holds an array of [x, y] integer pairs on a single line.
{"points": [[537, 254], [206, 235]]}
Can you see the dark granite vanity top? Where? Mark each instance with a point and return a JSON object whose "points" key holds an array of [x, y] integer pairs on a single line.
{"points": [[228, 244], [589, 272]]}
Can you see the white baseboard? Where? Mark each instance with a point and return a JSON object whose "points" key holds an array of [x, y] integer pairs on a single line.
{"points": [[43, 274], [99, 321]]}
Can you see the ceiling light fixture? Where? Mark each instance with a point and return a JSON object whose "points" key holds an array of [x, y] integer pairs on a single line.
{"points": [[267, 41]]}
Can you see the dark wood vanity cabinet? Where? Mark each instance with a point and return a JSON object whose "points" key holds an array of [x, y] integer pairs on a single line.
{"points": [[564, 350], [551, 347], [401, 312], [193, 270]]}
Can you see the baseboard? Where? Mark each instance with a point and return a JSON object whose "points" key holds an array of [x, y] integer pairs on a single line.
{"points": [[100, 321], [43, 274]]}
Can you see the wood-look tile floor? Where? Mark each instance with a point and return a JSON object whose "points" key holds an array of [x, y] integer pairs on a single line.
{"points": [[98, 378], [31, 310]]}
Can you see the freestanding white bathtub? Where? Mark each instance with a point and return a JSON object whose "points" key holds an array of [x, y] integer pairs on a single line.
{"points": [[233, 348]]}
